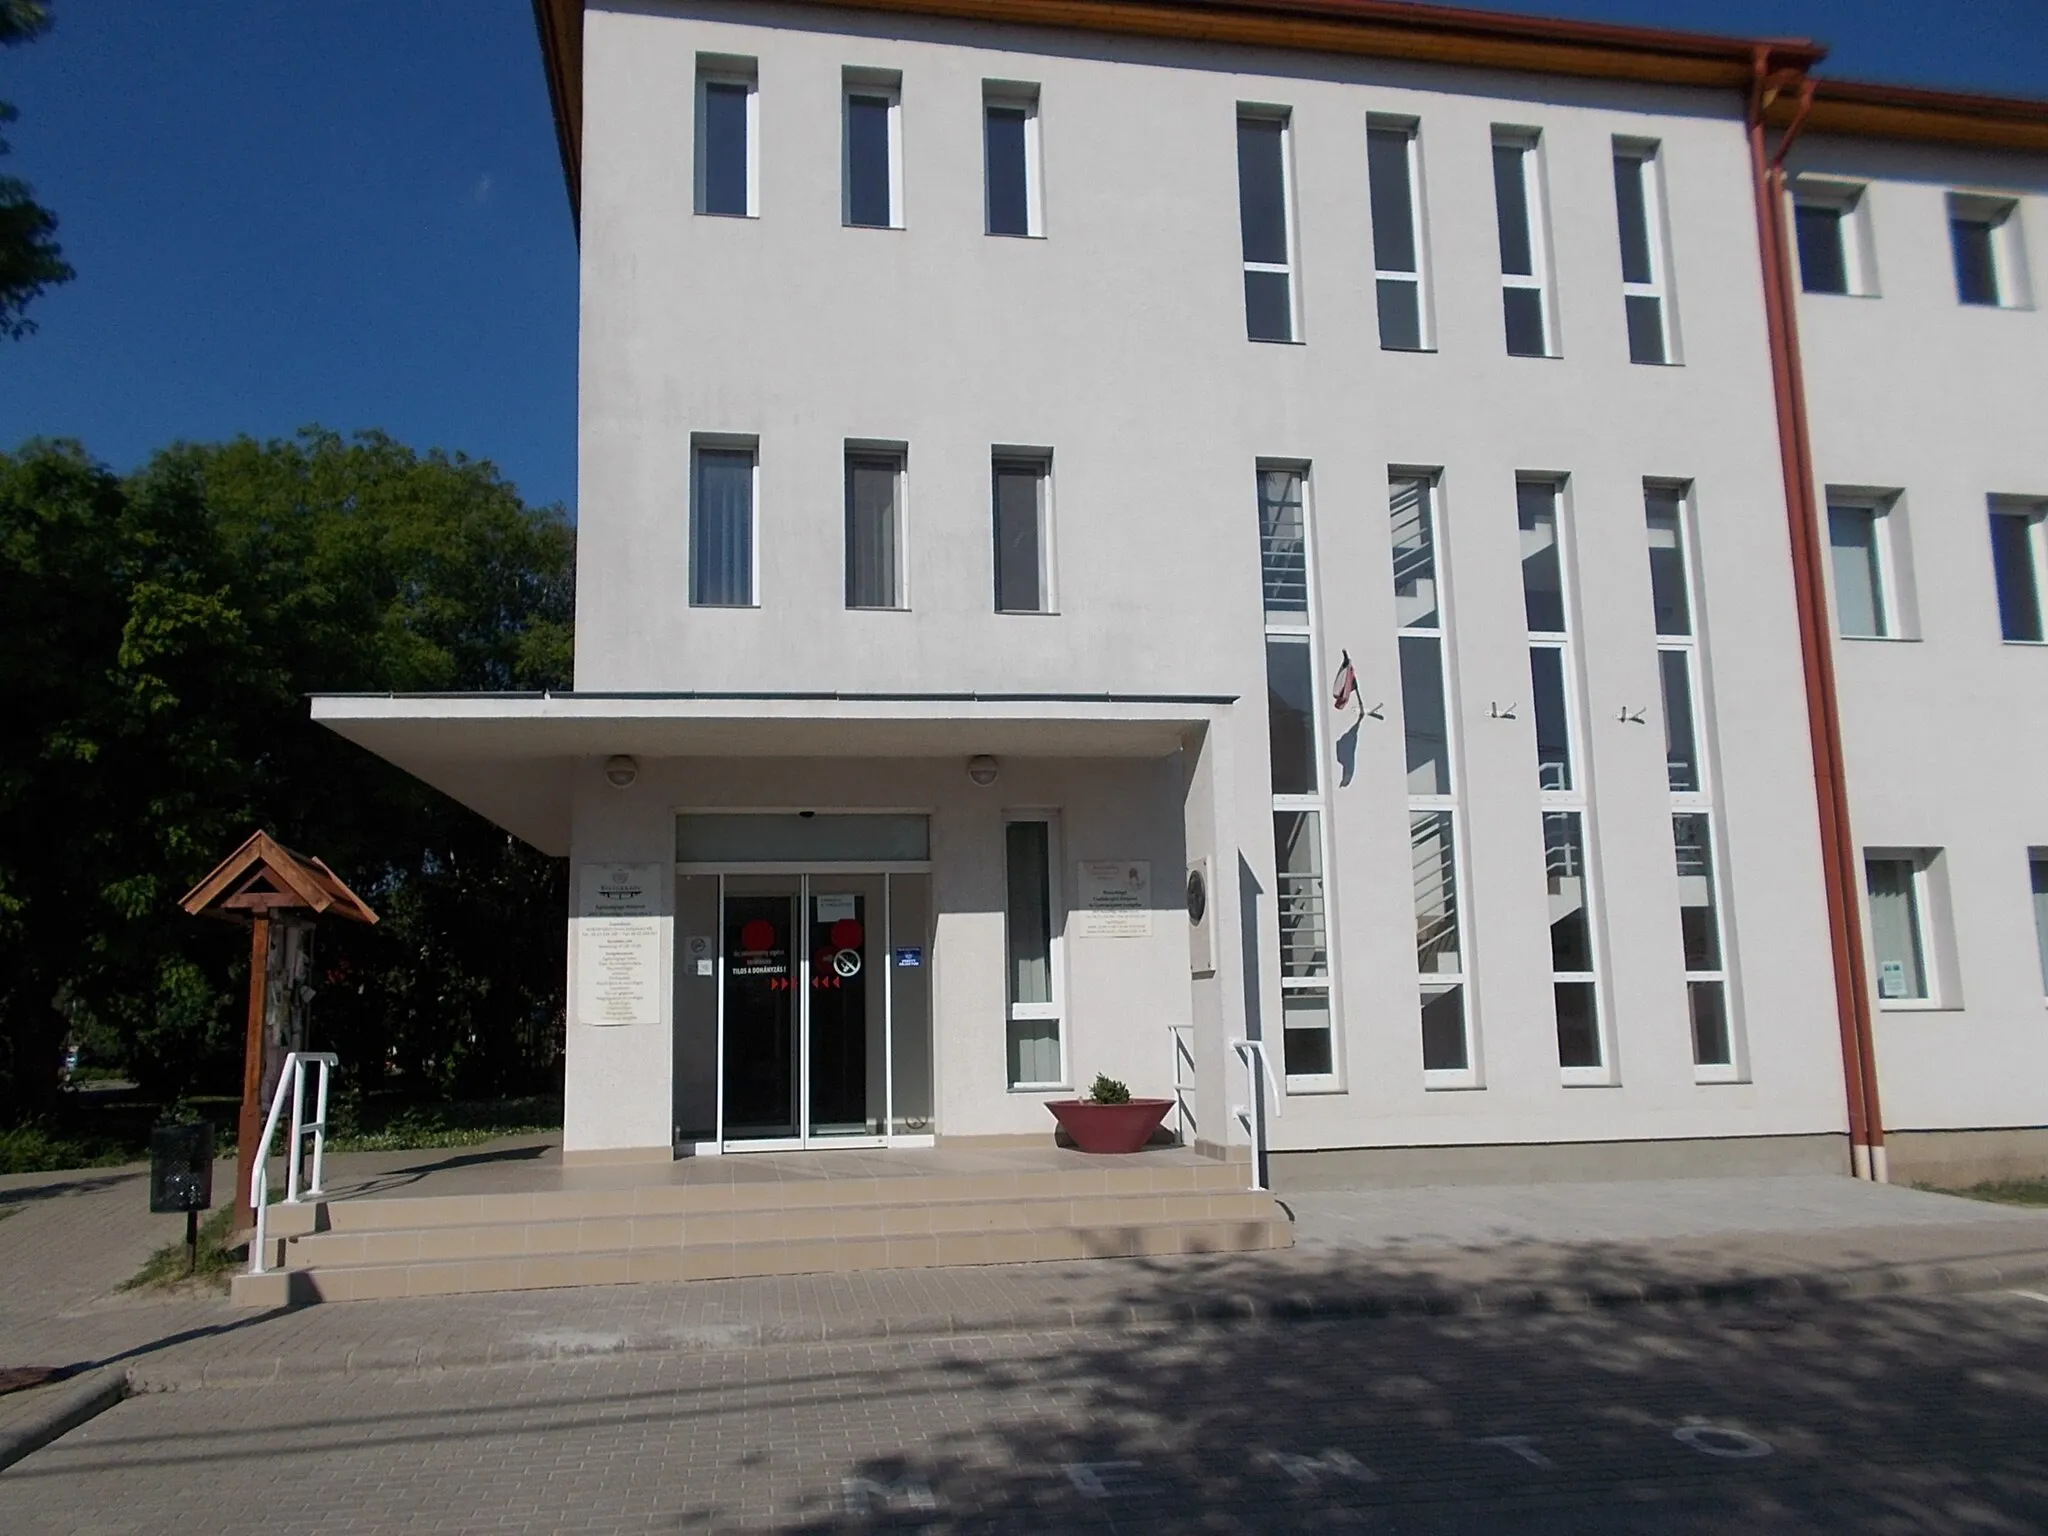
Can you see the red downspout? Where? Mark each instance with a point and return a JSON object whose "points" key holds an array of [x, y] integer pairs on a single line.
{"points": [[1841, 867]]}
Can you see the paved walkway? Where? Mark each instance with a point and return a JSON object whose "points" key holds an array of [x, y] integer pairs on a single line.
{"points": [[75, 1236]]}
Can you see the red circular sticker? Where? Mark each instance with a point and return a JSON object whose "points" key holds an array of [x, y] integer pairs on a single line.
{"points": [[846, 933], [757, 933]]}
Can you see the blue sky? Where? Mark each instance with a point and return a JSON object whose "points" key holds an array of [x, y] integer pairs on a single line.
{"points": [[351, 212]]}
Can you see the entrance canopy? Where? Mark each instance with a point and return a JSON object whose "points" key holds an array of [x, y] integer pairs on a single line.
{"points": [[511, 757]]}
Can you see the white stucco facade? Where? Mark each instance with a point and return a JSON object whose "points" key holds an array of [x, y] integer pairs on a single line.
{"points": [[1134, 714]]}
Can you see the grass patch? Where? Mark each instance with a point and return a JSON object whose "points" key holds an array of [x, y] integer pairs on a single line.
{"points": [[36, 1149], [165, 1269], [2006, 1191], [416, 1127]]}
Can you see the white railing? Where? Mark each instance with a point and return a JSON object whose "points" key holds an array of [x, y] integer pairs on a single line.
{"points": [[1183, 1038], [1252, 1114], [292, 1081]]}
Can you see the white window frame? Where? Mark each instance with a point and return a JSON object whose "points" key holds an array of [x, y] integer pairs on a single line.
{"points": [[2009, 272], [899, 452], [1284, 116], [1056, 909], [1411, 130], [1735, 1069], [2034, 513], [728, 69], [1851, 200], [1886, 532], [888, 85], [726, 442], [1304, 632], [2037, 859], [1688, 646], [1932, 930], [1529, 141], [1648, 156], [1048, 592], [1023, 96]]}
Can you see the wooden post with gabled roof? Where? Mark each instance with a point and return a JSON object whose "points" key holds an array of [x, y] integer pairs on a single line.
{"points": [[264, 883]]}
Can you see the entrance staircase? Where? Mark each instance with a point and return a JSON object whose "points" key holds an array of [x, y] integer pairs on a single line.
{"points": [[806, 1216]]}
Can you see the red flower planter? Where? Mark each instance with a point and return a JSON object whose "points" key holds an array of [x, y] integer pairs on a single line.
{"points": [[1109, 1127]]}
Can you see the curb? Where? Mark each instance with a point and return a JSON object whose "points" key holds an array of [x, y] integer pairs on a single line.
{"points": [[1264, 1310], [74, 1402]]}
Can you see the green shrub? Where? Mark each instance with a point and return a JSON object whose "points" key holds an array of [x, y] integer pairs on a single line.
{"points": [[1108, 1090], [36, 1149]]}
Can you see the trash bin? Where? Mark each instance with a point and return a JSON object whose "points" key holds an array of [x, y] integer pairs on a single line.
{"points": [[181, 1168]]}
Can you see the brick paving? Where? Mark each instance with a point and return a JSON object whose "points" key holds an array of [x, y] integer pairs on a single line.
{"points": [[1924, 1416]]}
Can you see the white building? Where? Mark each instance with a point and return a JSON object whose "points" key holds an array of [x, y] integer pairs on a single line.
{"points": [[1003, 424]]}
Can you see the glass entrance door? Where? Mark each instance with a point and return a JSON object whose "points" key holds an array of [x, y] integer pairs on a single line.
{"points": [[807, 1001]]}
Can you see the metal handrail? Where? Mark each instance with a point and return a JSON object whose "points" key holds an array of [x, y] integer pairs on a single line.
{"points": [[293, 1078], [1183, 1038], [1252, 1116]]}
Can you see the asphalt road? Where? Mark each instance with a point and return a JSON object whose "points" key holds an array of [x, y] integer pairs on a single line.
{"points": [[1924, 1416]]}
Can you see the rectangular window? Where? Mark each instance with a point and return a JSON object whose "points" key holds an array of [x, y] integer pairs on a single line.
{"points": [[1706, 972], [874, 527], [1639, 210], [1010, 158], [1677, 647], [1831, 232], [1574, 981], [1990, 258], [1266, 221], [1291, 698], [1551, 674], [872, 168], [1023, 532], [1032, 928], [1393, 180], [1304, 946], [2037, 872], [1283, 548], [1425, 716], [2018, 536], [1439, 948], [722, 540], [1517, 202], [1860, 562], [728, 127], [1897, 889]]}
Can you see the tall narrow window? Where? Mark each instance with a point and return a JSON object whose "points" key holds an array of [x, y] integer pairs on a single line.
{"points": [[2037, 874], [1265, 216], [1517, 203], [1860, 563], [722, 527], [1699, 923], [1677, 646], [728, 127], [1294, 731], [1419, 614], [872, 167], [1391, 167], [1898, 926], [1645, 285], [1984, 235], [874, 527], [1823, 253], [1032, 928], [1010, 158], [1560, 780], [1023, 532], [2018, 536]]}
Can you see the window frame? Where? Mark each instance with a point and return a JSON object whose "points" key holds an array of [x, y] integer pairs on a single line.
{"points": [[1054, 1009], [2034, 515], [1528, 142], [1721, 976], [1409, 130], [869, 84], [726, 70], [1006, 457], [1290, 269], [897, 456], [2005, 247], [2037, 887], [1849, 201], [1018, 96], [720, 442], [1889, 605], [1647, 156], [1925, 909]]}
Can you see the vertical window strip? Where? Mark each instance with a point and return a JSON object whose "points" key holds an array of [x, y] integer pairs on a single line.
{"points": [[1674, 596], [1638, 201], [874, 528], [1034, 1045], [722, 527], [1265, 217], [1517, 203], [1433, 829], [2018, 536], [1300, 822], [1010, 157], [873, 168], [728, 129], [2037, 876], [1393, 185]]}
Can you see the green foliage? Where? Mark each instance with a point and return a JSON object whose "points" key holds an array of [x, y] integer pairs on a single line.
{"points": [[215, 1264], [407, 1127], [1108, 1090], [158, 635], [30, 258], [2004, 1191], [36, 1149]]}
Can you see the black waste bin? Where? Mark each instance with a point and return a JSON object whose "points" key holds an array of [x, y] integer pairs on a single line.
{"points": [[181, 1168]]}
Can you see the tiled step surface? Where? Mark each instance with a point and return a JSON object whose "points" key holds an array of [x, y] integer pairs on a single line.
{"points": [[363, 1249]]}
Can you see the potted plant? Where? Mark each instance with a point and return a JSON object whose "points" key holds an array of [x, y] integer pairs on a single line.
{"points": [[1109, 1119]]}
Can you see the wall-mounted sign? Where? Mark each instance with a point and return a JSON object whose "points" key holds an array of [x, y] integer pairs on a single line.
{"points": [[1116, 899], [1891, 978], [909, 959], [618, 944], [836, 909]]}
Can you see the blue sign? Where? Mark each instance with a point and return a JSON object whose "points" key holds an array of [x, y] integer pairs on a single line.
{"points": [[909, 959]]}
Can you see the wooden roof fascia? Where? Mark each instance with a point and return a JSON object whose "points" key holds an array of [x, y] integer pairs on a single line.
{"points": [[560, 24], [308, 882], [1862, 109]]}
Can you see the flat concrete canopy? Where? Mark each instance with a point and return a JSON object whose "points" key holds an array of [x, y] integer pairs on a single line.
{"points": [[511, 757]]}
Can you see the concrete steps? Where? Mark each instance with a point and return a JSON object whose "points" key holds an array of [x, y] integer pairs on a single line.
{"points": [[348, 1250]]}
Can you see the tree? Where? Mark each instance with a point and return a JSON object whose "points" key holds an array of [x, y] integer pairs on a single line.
{"points": [[30, 258], [158, 636]]}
